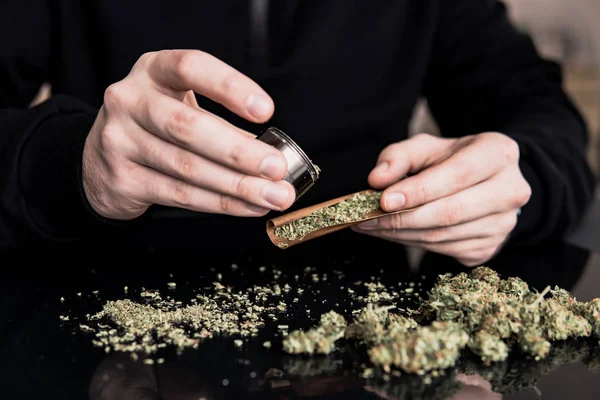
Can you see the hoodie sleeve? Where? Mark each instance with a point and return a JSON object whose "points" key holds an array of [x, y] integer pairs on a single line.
{"points": [[41, 194]]}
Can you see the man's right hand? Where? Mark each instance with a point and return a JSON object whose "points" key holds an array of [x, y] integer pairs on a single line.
{"points": [[152, 144]]}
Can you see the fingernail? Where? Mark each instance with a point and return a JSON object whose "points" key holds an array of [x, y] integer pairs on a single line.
{"points": [[382, 167], [273, 167], [394, 201], [277, 194], [370, 224], [258, 106]]}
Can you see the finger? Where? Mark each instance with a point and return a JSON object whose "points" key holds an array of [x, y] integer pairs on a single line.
{"points": [[209, 137], [184, 165], [468, 252], [154, 187], [487, 198], [468, 166], [472, 249], [190, 99], [488, 226], [205, 74], [408, 157]]}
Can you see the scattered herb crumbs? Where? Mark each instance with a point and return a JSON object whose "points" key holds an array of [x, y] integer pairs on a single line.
{"points": [[479, 310]]}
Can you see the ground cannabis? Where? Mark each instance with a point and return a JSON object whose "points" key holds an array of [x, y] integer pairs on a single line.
{"points": [[478, 311], [319, 340], [349, 210], [145, 327]]}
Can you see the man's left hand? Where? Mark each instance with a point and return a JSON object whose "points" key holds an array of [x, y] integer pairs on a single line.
{"points": [[466, 194]]}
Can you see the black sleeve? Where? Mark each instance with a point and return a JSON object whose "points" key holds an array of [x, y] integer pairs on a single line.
{"points": [[40, 148], [485, 75]]}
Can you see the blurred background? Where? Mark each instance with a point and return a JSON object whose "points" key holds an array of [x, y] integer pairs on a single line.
{"points": [[568, 32]]}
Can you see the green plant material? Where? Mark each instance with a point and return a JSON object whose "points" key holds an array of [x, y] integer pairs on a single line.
{"points": [[423, 349], [490, 348], [369, 325], [480, 310], [373, 324], [506, 309], [532, 342], [350, 210], [591, 311], [130, 326], [560, 323], [319, 340]]}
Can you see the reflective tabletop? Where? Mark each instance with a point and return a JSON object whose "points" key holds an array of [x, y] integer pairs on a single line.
{"points": [[45, 356]]}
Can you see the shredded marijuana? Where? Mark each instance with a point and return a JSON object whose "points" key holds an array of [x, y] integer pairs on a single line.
{"points": [[129, 326], [349, 210], [320, 340], [477, 313]]}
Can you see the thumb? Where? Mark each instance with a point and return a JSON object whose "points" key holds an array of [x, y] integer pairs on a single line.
{"points": [[408, 157]]}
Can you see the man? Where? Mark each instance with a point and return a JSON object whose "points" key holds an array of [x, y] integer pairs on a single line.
{"points": [[125, 153]]}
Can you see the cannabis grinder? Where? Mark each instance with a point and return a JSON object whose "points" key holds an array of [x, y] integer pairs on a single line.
{"points": [[302, 173]]}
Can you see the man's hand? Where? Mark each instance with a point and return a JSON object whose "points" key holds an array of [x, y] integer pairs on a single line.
{"points": [[152, 144], [467, 193]]}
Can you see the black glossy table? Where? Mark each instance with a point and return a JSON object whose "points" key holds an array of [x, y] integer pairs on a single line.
{"points": [[42, 357]]}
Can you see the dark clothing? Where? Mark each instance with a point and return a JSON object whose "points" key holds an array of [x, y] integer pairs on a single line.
{"points": [[344, 75]]}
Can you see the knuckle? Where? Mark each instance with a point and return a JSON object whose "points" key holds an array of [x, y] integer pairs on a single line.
{"points": [[238, 154], [115, 96], [525, 195], [182, 195], [226, 203], [144, 60], [184, 164], [110, 137], [180, 126], [184, 64], [240, 185], [520, 197], [228, 85], [510, 149], [147, 57]]}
